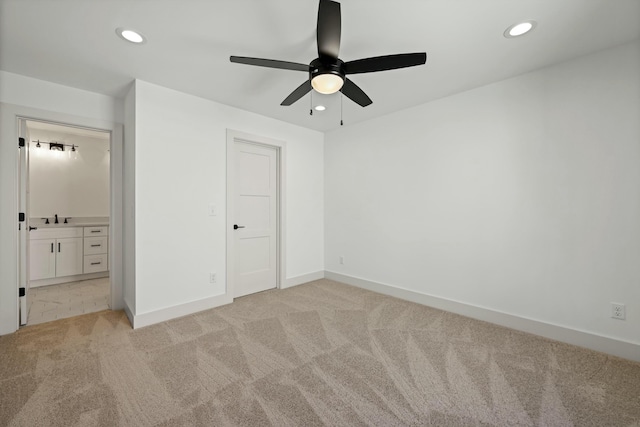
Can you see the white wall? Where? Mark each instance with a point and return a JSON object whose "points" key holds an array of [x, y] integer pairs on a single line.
{"points": [[129, 226], [27, 97], [17, 89], [180, 168], [173, 165], [66, 186], [521, 197]]}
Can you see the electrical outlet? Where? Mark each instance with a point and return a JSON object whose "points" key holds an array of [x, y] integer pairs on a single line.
{"points": [[212, 278], [618, 311], [341, 259]]}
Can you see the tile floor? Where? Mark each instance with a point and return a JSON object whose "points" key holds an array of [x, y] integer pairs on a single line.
{"points": [[53, 302]]}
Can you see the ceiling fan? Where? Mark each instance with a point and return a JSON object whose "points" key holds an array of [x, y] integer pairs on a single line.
{"points": [[328, 73]]}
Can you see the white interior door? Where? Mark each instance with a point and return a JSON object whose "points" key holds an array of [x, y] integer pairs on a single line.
{"points": [[23, 241], [255, 218]]}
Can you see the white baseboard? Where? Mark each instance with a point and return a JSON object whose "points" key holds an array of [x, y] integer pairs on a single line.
{"points": [[127, 311], [66, 279], [162, 315], [299, 280], [624, 349]]}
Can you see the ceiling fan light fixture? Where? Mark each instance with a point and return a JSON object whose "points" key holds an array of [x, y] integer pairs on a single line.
{"points": [[519, 29], [320, 108], [327, 83], [130, 36]]}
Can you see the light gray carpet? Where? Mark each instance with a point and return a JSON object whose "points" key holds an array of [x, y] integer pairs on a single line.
{"points": [[319, 353]]}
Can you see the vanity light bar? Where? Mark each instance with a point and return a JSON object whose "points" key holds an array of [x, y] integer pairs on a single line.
{"points": [[56, 145]]}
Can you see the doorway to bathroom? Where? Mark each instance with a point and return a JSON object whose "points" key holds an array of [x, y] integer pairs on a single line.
{"points": [[64, 248]]}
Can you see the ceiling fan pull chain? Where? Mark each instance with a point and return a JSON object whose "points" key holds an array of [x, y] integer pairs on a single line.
{"points": [[341, 109], [311, 103]]}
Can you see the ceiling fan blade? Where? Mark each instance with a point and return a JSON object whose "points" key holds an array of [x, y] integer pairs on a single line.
{"points": [[328, 30], [353, 92], [270, 63], [301, 91], [383, 63]]}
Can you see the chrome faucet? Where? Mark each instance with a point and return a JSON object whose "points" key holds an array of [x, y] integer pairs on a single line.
{"points": [[56, 221]]}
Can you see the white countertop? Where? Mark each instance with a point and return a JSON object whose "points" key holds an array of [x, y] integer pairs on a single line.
{"points": [[73, 222]]}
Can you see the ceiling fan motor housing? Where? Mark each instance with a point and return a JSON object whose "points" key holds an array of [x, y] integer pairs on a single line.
{"points": [[327, 66]]}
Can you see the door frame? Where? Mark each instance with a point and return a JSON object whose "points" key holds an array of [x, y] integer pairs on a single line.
{"points": [[116, 191], [280, 147], [23, 231]]}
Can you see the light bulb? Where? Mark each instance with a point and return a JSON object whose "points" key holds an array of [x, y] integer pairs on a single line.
{"points": [[131, 36], [519, 29], [327, 83]]}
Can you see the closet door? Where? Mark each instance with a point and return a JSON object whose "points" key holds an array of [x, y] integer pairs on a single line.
{"points": [[256, 218]]}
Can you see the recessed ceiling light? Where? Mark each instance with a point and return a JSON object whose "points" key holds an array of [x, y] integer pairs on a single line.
{"points": [[131, 36], [320, 108], [519, 29]]}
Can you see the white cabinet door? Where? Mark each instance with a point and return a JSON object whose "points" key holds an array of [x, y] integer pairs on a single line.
{"points": [[69, 256], [42, 259]]}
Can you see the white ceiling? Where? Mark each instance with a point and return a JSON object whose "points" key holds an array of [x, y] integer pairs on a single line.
{"points": [[73, 42]]}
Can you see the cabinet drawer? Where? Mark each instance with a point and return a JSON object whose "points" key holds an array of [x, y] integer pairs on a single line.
{"points": [[95, 245], [55, 233], [95, 231], [95, 263]]}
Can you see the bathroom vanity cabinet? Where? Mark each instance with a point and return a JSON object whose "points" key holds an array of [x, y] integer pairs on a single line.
{"points": [[61, 254], [55, 252]]}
